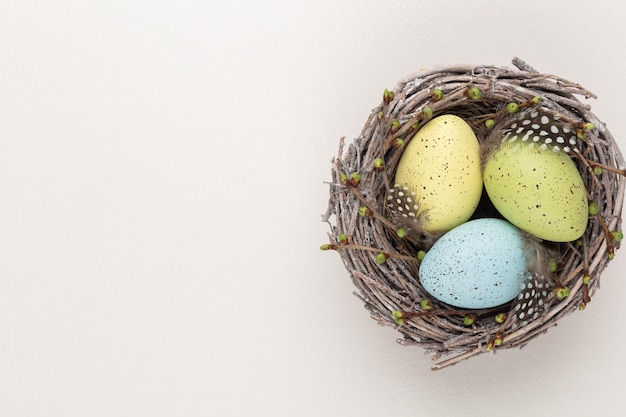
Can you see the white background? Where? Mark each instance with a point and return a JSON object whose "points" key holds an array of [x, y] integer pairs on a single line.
{"points": [[161, 187]]}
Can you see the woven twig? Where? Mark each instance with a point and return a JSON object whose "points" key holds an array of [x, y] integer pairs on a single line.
{"points": [[394, 285]]}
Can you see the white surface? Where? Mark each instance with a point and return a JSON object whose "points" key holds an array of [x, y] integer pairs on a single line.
{"points": [[161, 172]]}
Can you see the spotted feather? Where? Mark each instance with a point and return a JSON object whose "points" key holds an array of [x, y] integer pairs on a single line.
{"points": [[404, 211], [547, 131], [536, 292], [532, 301]]}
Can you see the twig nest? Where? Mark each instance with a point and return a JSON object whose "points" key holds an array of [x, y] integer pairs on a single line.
{"points": [[500, 183]]}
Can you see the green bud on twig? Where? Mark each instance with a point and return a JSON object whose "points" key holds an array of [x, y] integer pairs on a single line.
{"points": [[500, 317], [437, 94], [355, 179], [388, 96], [562, 293], [395, 125], [469, 319], [381, 258], [512, 108], [474, 93], [398, 143]]}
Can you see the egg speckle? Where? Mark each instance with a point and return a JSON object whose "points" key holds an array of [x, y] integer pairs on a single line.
{"points": [[479, 264], [442, 165], [540, 191]]}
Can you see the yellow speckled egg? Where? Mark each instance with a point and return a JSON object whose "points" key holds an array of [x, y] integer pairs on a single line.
{"points": [[538, 190], [442, 165]]}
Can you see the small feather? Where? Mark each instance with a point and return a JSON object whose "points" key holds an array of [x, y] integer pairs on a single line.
{"points": [[533, 125], [405, 212], [536, 292]]}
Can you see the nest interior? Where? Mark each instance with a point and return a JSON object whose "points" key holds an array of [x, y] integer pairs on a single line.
{"points": [[393, 287]]}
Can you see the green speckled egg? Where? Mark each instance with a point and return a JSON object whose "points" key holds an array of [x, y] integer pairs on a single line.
{"points": [[442, 165], [538, 190]]}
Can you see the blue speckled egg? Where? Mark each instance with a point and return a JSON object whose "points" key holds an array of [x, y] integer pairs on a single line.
{"points": [[478, 264]]}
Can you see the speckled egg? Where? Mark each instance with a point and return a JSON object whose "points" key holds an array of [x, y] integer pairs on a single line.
{"points": [[442, 165], [538, 190], [479, 264]]}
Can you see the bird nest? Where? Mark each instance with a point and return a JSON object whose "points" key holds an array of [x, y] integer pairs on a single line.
{"points": [[385, 268]]}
